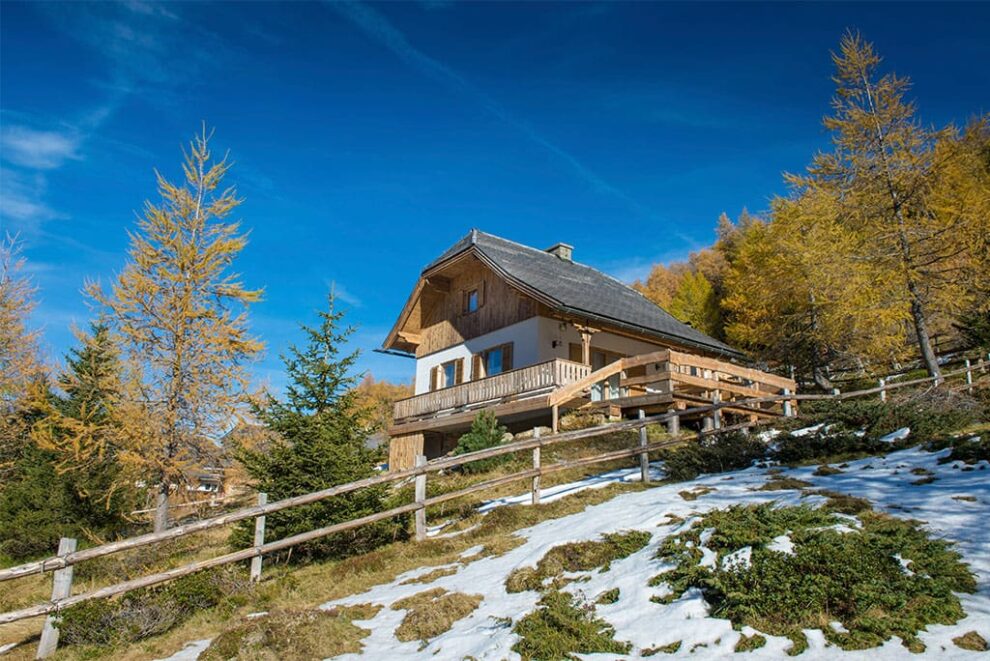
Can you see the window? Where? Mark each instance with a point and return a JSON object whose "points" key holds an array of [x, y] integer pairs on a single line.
{"points": [[493, 361], [472, 301], [472, 298], [447, 374]]}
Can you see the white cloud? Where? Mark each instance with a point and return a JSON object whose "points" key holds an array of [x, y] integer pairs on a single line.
{"points": [[38, 150], [21, 200]]}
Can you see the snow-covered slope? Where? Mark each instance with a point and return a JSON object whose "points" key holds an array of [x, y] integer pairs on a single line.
{"points": [[885, 481], [487, 632]]}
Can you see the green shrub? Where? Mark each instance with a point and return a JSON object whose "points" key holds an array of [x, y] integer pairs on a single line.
{"points": [[713, 454], [854, 577], [967, 450], [150, 611], [828, 443], [485, 433], [560, 627]]}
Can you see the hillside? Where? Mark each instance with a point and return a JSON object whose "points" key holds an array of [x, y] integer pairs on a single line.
{"points": [[951, 499]]}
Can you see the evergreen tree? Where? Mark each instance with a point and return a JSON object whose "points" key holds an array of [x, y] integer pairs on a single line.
{"points": [[69, 481], [320, 443]]}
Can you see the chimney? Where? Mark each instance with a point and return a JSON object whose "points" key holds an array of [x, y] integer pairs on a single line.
{"points": [[562, 250]]}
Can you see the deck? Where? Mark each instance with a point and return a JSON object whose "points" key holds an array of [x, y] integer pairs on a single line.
{"points": [[655, 382]]}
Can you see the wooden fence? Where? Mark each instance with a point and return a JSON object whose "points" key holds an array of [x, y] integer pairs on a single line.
{"points": [[63, 563]]}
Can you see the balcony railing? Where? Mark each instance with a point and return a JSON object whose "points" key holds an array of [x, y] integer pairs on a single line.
{"points": [[514, 384]]}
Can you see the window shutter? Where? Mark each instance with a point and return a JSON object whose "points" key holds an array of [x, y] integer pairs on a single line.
{"points": [[482, 287], [575, 352], [507, 357], [477, 367], [459, 371]]}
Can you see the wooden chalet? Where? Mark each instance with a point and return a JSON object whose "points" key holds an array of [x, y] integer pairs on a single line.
{"points": [[532, 334]]}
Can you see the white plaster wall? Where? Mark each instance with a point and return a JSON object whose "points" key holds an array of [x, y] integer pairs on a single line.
{"points": [[564, 334], [524, 336]]}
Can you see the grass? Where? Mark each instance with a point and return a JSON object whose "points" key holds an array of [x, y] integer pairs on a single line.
{"points": [[782, 483], [294, 587], [293, 635], [609, 597], [971, 641], [431, 576], [696, 493], [561, 627], [825, 470], [853, 578], [433, 612], [576, 556], [671, 648]]}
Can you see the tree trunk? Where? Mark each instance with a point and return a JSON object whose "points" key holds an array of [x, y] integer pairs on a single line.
{"points": [[924, 340], [161, 507], [821, 379]]}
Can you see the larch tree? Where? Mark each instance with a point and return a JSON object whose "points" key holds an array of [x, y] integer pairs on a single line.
{"points": [[695, 303], [882, 169], [182, 315], [797, 295]]}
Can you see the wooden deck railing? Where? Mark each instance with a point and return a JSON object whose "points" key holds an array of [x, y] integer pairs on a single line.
{"points": [[63, 563], [542, 377]]}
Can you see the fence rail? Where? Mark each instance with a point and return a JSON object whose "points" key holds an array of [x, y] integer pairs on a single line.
{"points": [[67, 557]]}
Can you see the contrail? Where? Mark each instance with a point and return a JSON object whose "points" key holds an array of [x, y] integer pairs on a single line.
{"points": [[376, 26]]}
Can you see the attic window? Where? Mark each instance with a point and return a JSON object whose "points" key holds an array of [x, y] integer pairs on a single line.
{"points": [[471, 301]]}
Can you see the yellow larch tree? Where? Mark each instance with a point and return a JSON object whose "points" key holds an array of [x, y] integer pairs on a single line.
{"points": [[182, 315]]}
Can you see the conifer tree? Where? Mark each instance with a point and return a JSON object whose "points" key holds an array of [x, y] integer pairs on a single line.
{"points": [[882, 170], [181, 313], [695, 303], [320, 433]]}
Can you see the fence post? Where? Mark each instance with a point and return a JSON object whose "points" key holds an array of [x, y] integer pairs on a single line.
{"points": [[716, 413], [259, 539], [61, 588], [788, 407], [969, 377], [883, 389], [421, 500], [644, 457], [536, 466], [674, 423]]}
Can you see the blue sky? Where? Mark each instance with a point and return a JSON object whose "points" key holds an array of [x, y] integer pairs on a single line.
{"points": [[369, 137]]}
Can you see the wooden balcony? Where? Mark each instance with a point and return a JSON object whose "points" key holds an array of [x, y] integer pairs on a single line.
{"points": [[521, 383]]}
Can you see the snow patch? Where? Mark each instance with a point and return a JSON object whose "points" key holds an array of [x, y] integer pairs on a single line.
{"points": [[898, 435], [782, 544]]}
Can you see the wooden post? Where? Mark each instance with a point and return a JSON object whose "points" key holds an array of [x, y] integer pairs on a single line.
{"points": [[788, 407], [421, 501], [644, 457], [61, 588], [969, 377], [674, 423], [259, 539], [555, 418], [883, 389], [536, 466], [717, 413]]}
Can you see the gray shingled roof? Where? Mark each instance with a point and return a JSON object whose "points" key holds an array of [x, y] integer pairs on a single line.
{"points": [[582, 290]]}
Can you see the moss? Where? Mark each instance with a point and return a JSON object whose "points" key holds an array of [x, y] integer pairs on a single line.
{"points": [[560, 628], [609, 597], [576, 556], [750, 643], [293, 635], [431, 613], [851, 577], [971, 641], [825, 470]]}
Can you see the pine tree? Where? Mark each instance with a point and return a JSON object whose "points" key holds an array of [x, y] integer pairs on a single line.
{"points": [[882, 169], [182, 316], [320, 443]]}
